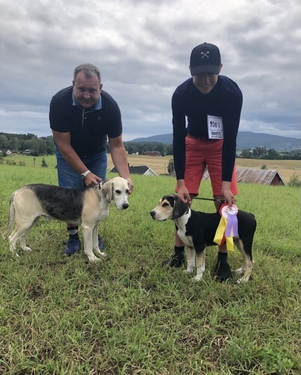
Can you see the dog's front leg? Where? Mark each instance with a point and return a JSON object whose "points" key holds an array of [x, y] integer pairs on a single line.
{"points": [[88, 243], [190, 253], [200, 265], [95, 242]]}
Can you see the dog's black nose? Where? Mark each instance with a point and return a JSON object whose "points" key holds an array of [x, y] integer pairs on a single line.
{"points": [[152, 213], [125, 206]]}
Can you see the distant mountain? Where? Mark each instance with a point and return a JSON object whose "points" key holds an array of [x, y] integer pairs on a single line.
{"points": [[245, 140], [163, 138]]}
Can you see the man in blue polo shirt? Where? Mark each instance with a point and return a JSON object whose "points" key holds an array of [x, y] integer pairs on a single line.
{"points": [[82, 118], [205, 116]]}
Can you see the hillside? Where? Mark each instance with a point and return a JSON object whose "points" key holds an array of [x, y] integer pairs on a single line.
{"points": [[245, 140]]}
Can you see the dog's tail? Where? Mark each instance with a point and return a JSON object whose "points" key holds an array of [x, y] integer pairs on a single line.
{"points": [[11, 217]]}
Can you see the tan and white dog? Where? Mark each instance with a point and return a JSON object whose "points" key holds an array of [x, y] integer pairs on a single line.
{"points": [[86, 206]]}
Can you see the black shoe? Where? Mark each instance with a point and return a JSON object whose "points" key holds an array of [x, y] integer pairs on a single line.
{"points": [[222, 271], [176, 260], [73, 246]]}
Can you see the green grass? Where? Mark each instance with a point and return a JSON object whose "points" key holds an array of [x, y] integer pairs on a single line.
{"points": [[128, 315]]}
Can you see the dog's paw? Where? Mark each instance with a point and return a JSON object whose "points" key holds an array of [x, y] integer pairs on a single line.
{"points": [[100, 253], [239, 271], [243, 279], [26, 248], [198, 277], [94, 259], [189, 271]]}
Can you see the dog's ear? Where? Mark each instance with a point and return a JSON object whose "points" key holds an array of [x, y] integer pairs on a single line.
{"points": [[107, 190], [112, 192], [179, 208]]}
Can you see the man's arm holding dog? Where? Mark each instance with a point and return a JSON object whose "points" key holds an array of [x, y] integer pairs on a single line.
{"points": [[227, 193], [63, 142]]}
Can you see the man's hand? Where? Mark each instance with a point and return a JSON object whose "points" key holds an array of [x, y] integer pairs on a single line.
{"points": [[227, 193], [92, 180], [183, 192], [131, 185]]}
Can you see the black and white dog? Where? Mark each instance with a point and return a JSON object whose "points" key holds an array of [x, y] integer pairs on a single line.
{"points": [[86, 206], [197, 231]]}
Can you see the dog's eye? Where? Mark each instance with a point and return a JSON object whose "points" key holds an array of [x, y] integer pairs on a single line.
{"points": [[165, 204], [118, 191]]}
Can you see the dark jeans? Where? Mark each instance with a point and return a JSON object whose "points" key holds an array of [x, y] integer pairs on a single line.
{"points": [[69, 178]]}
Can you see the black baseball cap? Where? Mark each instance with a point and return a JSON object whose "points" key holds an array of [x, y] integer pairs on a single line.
{"points": [[205, 58]]}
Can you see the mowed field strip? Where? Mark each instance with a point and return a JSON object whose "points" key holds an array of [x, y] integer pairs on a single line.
{"points": [[159, 164]]}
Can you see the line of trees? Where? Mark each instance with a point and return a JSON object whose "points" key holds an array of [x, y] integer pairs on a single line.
{"points": [[21, 142], [45, 146], [270, 154], [142, 148], [255, 153]]}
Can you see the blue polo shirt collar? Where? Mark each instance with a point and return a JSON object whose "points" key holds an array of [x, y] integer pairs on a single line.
{"points": [[97, 106]]}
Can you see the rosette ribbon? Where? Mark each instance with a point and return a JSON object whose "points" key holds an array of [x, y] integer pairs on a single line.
{"points": [[228, 226]]}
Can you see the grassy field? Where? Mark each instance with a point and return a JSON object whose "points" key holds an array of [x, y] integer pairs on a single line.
{"points": [[128, 315]]}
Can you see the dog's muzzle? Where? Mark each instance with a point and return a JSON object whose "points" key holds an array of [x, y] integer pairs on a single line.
{"points": [[153, 215]]}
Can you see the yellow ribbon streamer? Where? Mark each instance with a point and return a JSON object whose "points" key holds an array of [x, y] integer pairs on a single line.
{"points": [[229, 243], [219, 234]]}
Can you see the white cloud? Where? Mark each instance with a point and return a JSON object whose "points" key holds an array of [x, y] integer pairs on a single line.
{"points": [[142, 49]]}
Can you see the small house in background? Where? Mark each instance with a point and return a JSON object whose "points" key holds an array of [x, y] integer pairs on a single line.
{"points": [[142, 170], [255, 176], [259, 176]]}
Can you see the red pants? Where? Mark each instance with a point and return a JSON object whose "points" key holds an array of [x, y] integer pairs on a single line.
{"points": [[199, 154]]}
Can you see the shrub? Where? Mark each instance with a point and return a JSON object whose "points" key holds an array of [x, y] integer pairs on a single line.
{"points": [[294, 180]]}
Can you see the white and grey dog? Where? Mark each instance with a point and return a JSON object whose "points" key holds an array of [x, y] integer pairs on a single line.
{"points": [[86, 206]]}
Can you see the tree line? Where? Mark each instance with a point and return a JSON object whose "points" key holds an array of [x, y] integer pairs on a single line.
{"points": [[21, 142], [270, 154], [45, 146], [142, 147]]}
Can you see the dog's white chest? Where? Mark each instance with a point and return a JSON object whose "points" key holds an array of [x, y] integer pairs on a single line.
{"points": [[103, 213], [187, 240], [181, 225]]}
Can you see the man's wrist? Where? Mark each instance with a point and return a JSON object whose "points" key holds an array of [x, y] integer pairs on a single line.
{"points": [[84, 175], [180, 182]]}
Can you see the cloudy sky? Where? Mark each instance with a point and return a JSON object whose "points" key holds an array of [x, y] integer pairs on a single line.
{"points": [[142, 49]]}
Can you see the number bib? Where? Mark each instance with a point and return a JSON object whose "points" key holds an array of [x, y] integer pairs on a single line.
{"points": [[215, 127]]}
